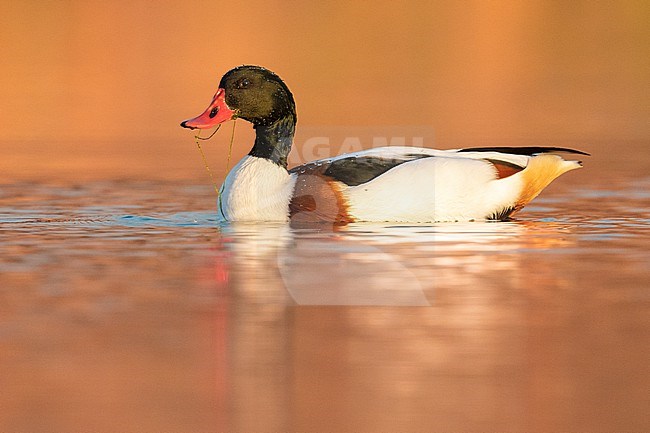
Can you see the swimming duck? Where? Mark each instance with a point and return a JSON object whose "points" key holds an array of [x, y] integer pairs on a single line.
{"points": [[398, 184]]}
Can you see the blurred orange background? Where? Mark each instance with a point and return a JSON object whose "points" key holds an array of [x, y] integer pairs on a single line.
{"points": [[87, 84]]}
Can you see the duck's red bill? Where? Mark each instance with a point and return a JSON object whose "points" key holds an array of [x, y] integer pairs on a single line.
{"points": [[216, 113]]}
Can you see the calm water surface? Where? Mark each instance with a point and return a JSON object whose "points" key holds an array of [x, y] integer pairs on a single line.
{"points": [[125, 307]]}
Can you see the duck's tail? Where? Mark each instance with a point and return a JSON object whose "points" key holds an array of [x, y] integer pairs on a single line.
{"points": [[534, 168], [541, 170]]}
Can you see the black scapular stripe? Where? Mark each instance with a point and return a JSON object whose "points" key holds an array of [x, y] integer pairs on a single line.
{"points": [[355, 171], [524, 150]]}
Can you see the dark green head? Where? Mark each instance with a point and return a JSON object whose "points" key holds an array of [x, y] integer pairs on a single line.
{"points": [[257, 95]]}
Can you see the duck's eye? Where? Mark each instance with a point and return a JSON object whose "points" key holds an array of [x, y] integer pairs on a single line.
{"points": [[243, 83], [214, 112]]}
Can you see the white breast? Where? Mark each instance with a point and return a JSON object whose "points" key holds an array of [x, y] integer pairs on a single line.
{"points": [[256, 189]]}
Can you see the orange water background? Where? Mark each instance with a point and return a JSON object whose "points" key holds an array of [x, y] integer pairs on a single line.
{"points": [[98, 88], [539, 325]]}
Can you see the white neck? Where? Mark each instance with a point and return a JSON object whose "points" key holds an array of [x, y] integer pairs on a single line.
{"points": [[256, 189]]}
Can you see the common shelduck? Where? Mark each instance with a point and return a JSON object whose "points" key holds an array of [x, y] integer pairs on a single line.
{"points": [[400, 184]]}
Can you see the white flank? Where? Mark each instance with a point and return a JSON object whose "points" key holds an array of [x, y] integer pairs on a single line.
{"points": [[256, 189], [450, 188]]}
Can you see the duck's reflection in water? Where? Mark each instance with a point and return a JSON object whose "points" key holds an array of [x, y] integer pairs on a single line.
{"points": [[373, 264], [366, 319]]}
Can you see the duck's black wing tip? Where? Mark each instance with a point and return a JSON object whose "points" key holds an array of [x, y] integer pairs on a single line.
{"points": [[530, 150]]}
